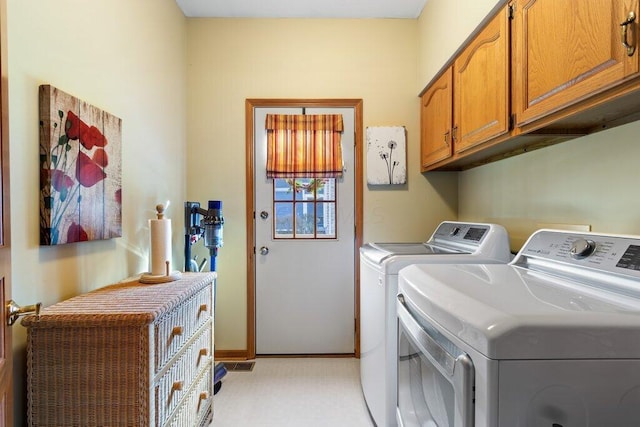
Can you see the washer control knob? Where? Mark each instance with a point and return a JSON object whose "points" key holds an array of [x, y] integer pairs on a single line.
{"points": [[582, 248], [455, 231]]}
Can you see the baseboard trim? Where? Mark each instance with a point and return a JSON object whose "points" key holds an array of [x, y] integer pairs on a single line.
{"points": [[306, 355], [239, 355], [231, 355]]}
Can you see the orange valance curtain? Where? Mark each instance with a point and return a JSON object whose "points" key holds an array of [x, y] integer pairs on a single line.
{"points": [[304, 146]]}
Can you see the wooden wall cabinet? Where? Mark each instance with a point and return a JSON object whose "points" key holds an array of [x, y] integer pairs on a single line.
{"points": [[536, 73], [436, 114], [481, 86], [468, 104], [129, 354], [566, 51]]}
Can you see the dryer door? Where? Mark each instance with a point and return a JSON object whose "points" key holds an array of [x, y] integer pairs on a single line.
{"points": [[435, 378]]}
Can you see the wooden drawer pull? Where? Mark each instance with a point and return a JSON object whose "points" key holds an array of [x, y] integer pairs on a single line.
{"points": [[202, 353], [203, 307], [204, 395], [177, 331], [177, 386]]}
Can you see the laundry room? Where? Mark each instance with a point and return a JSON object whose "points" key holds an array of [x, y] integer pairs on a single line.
{"points": [[187, 88]]}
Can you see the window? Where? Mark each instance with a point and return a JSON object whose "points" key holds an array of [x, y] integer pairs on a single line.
{"points": [[304, 208]]}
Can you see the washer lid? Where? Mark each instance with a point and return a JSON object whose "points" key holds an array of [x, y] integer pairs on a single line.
{"points": [[489, 241], [379, 252], [508, 312]]}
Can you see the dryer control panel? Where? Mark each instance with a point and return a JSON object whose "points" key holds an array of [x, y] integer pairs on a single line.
{"points": [[607, 253]]}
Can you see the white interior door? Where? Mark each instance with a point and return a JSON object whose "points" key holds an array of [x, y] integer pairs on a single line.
{"points": [[304, 287]]}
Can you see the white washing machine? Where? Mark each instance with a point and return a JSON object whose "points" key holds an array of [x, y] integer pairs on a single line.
{"points": [[451, 242], [551, 339]]}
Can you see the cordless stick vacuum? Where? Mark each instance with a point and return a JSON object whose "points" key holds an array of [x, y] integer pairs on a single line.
{"points": [[205, 223]]}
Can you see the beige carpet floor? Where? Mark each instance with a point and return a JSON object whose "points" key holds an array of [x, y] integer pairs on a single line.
{"points": [[288, 392]]}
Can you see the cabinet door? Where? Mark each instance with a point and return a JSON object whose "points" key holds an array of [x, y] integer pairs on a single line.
{"points": [[435, 121], [481, 86], [567, 50]]}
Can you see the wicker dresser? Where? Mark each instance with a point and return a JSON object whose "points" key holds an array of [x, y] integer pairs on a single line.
{"points": [[129, 354]]}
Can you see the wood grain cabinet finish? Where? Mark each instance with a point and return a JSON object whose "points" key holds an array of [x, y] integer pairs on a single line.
{"points": [[536, 73], [436, 114], [129, 354], [468, 104], [481, 86], [566, 51]]}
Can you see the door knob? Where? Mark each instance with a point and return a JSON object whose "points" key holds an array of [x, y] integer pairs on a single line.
{"points": [[264, 214], [264, 250], [14, 311]]}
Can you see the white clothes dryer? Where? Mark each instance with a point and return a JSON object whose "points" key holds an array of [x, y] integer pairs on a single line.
{"points": [[551, 339], [451, 242]]}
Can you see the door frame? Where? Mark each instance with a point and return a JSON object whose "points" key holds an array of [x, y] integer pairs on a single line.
{"points": [[250, 106], [6, 346]]}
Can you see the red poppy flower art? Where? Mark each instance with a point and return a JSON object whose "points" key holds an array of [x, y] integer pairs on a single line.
{"points": [[80, 170]]}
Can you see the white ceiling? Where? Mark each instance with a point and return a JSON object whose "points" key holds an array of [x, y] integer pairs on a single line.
{"points": [[302, 8]]}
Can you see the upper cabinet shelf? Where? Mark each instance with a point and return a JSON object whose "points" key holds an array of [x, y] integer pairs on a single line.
{"points": [[538, 73]]}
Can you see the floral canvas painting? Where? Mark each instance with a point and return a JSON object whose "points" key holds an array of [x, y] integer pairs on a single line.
{"points": [[386, 155], [80, 170]]}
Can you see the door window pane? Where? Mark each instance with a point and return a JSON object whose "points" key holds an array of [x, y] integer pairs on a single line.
{"points": [[283, 220], [326, 220], [282, 190], [305, 220]]}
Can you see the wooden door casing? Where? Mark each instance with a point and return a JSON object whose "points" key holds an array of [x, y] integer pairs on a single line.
{"points": [[250, 106], [6, 359], [566, 51], [435, 120]]}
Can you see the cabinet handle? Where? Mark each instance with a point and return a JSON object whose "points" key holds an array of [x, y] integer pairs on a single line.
{"points": [[203, 307], [630, 19], [177, 331], [446, 138], [453, 134], [177, 386]]}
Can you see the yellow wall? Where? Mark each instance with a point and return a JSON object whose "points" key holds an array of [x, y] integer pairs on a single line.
{"points": [[443, 26], [125, 57], [230, 60], [179, 86], [586, 181]]}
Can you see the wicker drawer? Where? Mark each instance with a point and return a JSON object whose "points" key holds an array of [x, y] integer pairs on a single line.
{"points": [[177, 327], [98, 360], [177, 380], [197, 405]]}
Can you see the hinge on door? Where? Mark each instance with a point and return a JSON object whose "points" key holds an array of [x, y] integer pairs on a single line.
{"points": [[512, 121], [512, 11]]}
